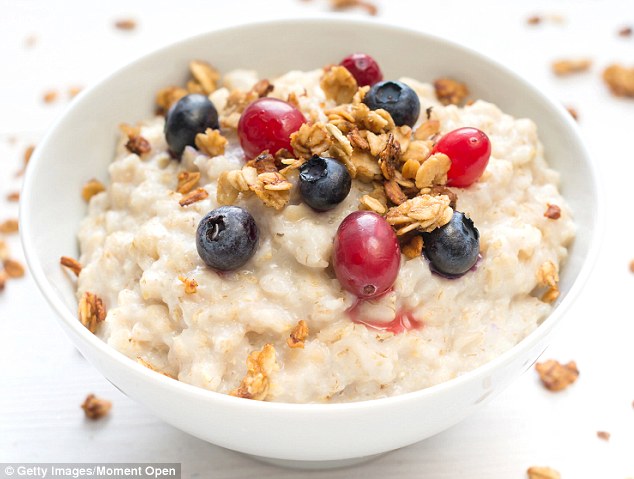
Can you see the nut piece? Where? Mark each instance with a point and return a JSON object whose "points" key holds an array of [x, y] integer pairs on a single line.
{"points": [[205, 76], [195, 196], [71, 264], [390, 157], [423, 213], [450, 92], [338, 84], [9, 226], [96, 408], [13, 268], [91, 188], [356, 140], [298, 335], [427, 129], [166, 97], [255, 384], [536, 472], [548, 276], [620, 80], [191, 285], [186, 181], [310, 140], [91, 311], [568, 67], [138, 145], [394, 192], [556, 376], [433, 171], [553, 212], [211, 143], [413, 248]]}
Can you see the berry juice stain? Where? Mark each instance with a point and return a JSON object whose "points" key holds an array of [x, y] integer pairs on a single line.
{"points": [[403, 321]]}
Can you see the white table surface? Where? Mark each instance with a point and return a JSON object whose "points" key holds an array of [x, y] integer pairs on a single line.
{"points": [[43, 379]]}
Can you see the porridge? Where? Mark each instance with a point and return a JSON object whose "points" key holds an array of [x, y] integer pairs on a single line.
{"points": [[323, 236]]}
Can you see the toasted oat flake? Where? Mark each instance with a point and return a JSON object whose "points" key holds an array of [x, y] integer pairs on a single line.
{"points": [[91, 188], [620, 80], [71, 263], [125, 24], [9, 226], [255, 384], [413, 248], [96, 408], [556, 376], [537, 472], [604, 435], [211, 142], [230, 185], [570, 66], [49, 96], [450, 92], [356, 140], [433, 171], [13, 268], [195, 196], [367, 202], [91, 311], [13, 197], [191, 285], [548, 276], [427, 129], [310, 140], [298, 335], [187, 180], [441, 190], [271, 188], [138, 145], [423, 213], [552, 212], [205, 76]]}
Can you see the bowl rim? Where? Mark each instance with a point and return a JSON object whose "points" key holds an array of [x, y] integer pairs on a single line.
{"points": [[142, 373]]}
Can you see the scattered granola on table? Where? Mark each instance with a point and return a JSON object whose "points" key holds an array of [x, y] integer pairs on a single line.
{"points": [[236, 233], [556, 376], [96, 408], [537, 472], [603, 435], [620, 80], [571, 66], [125, 24]]}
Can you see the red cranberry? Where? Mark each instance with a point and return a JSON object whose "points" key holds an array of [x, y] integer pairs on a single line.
{"points": [[364, 68], [469, 150]]}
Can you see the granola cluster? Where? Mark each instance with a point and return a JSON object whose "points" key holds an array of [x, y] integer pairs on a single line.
{"points": [[255, 384]]}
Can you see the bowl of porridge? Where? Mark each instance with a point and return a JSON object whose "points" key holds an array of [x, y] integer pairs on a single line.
{"points": [[313, 257]]}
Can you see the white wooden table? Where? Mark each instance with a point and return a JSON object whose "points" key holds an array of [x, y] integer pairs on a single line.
{"points": [[43, 379]]}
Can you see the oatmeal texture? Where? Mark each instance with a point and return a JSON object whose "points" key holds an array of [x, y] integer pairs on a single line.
{"points": [[231, 332]]}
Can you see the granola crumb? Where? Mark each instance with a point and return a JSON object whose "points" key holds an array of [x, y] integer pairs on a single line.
{"points": [[13, 197], [191, 285], [625, 32], [367, 202], [49, 96], [556, 376], [91, 188], [450, 92], [537, 472], [620, 80], [71, 263], [552, 212], [339, 85], [534, 20], [298, 335], [3, 279], [413, 248], [195, 196], [167, 96], [632, 271], [96, 408], [571, 66], [573, 112], [28, 152], [186, 181], [423, 213], [73, 91], [91, 311], [125, 24], [366, 5], [548, 276], [211, 142], [255, 384], [13, 268], [205, 77], [138, 145], [604, 435], [9, 226]]}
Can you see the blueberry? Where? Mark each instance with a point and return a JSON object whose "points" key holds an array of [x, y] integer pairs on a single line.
{"points": [[397, 99], [453, 249], [227, 237], [323, 183], [191, 115]]}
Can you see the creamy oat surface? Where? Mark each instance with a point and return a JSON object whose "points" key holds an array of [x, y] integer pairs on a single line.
{"points": [[239, 332]]}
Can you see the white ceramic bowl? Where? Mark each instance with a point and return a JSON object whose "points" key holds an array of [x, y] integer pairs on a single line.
{"points": [[81, 145]]}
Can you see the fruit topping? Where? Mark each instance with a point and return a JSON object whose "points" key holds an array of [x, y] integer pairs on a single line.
{"points": [[366, 254], [191, 115], [397, 99], [267, 124], [323, 182], [469, 150], [227, 238], [364, 68], [453, 249]]}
